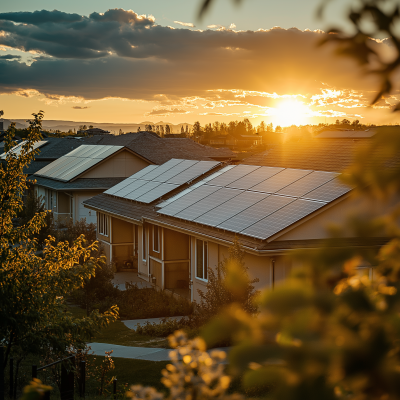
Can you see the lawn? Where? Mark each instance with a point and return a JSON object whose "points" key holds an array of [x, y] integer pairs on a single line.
{"points": [[118, 333]]}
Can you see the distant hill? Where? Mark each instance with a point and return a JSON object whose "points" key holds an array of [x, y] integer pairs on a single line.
{"points": [[65, 126]]}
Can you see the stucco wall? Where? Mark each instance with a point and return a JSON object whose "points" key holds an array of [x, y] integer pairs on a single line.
{"points": [[176, 245], [123, 164], [122, 231], [79, 210]]}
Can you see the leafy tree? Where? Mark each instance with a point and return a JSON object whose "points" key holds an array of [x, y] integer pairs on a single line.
{"points": [[148, 128], [33, 288], [278, 128], [139, 129]]}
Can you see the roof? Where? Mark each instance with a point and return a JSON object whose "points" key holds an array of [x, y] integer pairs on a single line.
{"points": [[320, 155], [252, 201], [346, 134], [18, 148], [159, 150], [138, 213], [78, 184], [77, 161]]}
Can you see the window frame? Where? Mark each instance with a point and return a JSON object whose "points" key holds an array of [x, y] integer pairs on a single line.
{"points": [[204, 250], [158, 239], [103, 224], [144, 258]]}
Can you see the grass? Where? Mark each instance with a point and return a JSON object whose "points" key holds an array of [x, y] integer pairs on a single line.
{"points": [[118, 333]]}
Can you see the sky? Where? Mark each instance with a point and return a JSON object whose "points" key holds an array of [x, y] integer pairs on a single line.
{"points": [[132, 61]]}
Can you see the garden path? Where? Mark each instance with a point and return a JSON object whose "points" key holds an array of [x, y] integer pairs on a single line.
{"points": [[139, 353]]}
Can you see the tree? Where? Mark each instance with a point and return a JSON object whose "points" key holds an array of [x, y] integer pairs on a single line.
{"points": [[138, 129], [278, 128], [1, 113], [161, 130], [262, 127], [196, 130], [148, 128], [33, 287], [182, 129], [167, 129], [91, 126], [120, 132]]}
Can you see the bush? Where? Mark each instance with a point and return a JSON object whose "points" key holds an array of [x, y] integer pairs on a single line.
{"points": [[135, 303]]}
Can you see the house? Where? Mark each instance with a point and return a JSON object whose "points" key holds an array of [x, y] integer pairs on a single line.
{"points": [[93, 172], [171, 222], [236, 142], [94, 131]]}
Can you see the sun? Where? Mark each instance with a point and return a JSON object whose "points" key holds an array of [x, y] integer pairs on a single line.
{"points": [[290, 112]]}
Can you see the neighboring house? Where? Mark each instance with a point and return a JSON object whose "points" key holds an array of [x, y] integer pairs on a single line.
{"points": [[329, 151], [84, 172], [236, 142], [171, 225]]}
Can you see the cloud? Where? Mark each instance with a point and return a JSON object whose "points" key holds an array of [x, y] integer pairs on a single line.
{"points": [[188, 24], [121, 54], [232, 26], [79, 108], [164, 111]]}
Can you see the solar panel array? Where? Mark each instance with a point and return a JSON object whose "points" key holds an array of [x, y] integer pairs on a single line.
{"points": [[155, 181], [254, 201], [18, 148], [77, 161]]}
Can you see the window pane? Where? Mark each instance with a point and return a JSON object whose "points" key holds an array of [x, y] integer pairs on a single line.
{"points": [[205, 260], [155, 239], [199, 258]]}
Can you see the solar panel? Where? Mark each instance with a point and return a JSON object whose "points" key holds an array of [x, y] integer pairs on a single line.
{"points": [[77, 161], [254, 213], [218, 173], [328, 192], [280, 180], [180, 194], [141, 190], [213, 200], [132, 185], [177, 169], [143, 171], [307, 183], [232, 175], [18, 148], [255, 177], [156, 193], [282, 218], [161, 169], [119, 186], [193, 172], [188, 199], [227, 210]]}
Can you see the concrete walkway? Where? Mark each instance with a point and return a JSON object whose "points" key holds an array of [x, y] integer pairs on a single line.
{"points": [[133, 323], [137, 353], [120, 278]]}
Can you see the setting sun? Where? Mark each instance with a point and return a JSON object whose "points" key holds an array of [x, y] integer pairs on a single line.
{"points": [[290, 112]]}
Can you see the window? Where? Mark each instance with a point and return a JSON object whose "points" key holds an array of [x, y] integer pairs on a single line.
{"points": [[144, 243], [102, 224], [156, 239], [201, 259]]}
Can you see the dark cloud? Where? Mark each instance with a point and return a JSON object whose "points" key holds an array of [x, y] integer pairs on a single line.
{"points": [[122, 54], [164, 111], [79, 108], [10, 57]]}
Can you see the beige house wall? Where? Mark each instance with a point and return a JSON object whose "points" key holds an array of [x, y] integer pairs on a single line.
{"points": [[120, 165], [80, 211]]}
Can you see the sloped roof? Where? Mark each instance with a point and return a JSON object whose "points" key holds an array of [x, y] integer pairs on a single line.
{"points": [[78, 184], [346, 134], [322, 155]]}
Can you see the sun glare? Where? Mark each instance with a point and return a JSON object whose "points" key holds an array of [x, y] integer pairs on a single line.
{"points": [[290, 112]]}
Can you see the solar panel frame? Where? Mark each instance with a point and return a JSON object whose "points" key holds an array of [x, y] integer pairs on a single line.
{"points": [[255, 213], [307, 183], [231, 208], [232, 175], [208, 203], [254, 178], [282, 218], [280, 180], [187, 200]]}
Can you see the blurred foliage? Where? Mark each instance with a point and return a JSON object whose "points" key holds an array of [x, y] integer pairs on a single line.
{"points": [[33, 286]]}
